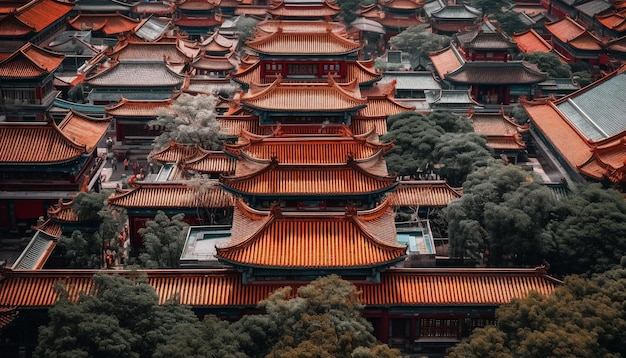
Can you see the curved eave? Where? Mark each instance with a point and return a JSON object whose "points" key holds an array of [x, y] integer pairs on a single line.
{"points": [[374, 265]]}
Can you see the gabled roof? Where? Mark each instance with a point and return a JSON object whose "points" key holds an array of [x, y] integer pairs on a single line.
{"points": [[30, 61], [197, 5], [292, 240], [272, 178], [587, 128], [218, 43], [211, 162], [501, 132], [307, 149], [480, 39], [285, 41], [594, 7], [34, 16], [446, 60], [511, 72], [428, 193], [570, 32], [36, 253], [457, 12], [216, 63], [224, 288], [43, 143], [109, 24], [87, 131], [136, 74], [144, 195], [402, 4], [530, 41], [319, 10], [169, 52], [151, 28], [304, 97], [138, 108], [615, 21]]}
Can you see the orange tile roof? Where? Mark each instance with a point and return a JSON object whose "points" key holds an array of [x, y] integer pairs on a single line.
{"points": [[510, 142], [615, 21], [608, 161], [215, 63], [196, 5], [36, 143], [211, 162], [11, 26], [138, 108], [569, 31], [307, 97], [50, 227], [233, 125], [170, 195], [287, 10], [198, 21], [218, 43], [446, 61], [7, 315], [400, 21], [299, 240], [364, 125], [109, 24], [157, 8], [30, 61], [565, 139], [302, 43], [495, 124], [174, 152], [224, 288], [424, 193], [312, 150], [383, 107], [37, 15], [259, 11], [270, 26], [63, 212], [402, 4], [276, 179], [530, 41], [87, 131]]}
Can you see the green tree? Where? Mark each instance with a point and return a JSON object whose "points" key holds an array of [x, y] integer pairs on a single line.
{"points": [[349, 7], [118, 318], [418, 41], [589, 231], [189, 120], [550, 63], [491, 7], [459, 154], [88, 205], [245, 27], [511, 22], [322, 320], [583, 318], [163, 239], [81, 250], [503, 215]]}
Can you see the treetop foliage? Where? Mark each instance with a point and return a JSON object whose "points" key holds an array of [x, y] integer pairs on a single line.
{"points": [[164, 240], [189, 120], [583, 318], [549, 62], [418, 41]]}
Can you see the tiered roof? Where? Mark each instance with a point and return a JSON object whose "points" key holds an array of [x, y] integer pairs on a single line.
{"points": [[381, 102], [480, 39], [483, 72], [273, 179], [225, 288], [587, 128], [501, 132], [303, 10], [171, 195], [45, 143], [308, 149], [300, 240], [30, 61], [429, 193], [283, 96], [217, 43], [109, 24], [568, 31], [289, 40], [34, 16]]}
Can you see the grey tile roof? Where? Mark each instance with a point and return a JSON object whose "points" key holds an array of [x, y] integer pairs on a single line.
{"points": [[412, 80], [598, 113], [152, 29], [460, 12], [136, 74], [594, 7], [512, 72]]}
